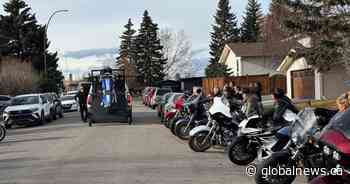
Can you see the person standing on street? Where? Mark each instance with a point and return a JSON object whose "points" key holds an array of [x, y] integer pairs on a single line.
{"points": [[258, 90], [82, 98]]}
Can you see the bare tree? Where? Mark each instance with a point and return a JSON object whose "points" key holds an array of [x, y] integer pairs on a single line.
{"points": [[177, 50]]}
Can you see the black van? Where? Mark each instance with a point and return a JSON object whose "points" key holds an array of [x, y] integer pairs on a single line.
{"points": [[109, 99]]}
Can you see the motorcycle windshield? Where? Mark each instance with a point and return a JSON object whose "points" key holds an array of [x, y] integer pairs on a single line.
{"points": [[303, 126], [220, 107], [340, 123]]}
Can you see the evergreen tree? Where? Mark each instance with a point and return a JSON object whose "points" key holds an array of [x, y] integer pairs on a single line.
{"points": [[52, 81], [225, 30], [252, 21], [19, 26], [150, 60], [127, 48], [25, 40], [327, 24]]}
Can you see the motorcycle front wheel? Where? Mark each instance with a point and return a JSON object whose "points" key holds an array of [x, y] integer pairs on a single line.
{"points": [[277, 161], [200, 142], [180, 129], [241, 152]]}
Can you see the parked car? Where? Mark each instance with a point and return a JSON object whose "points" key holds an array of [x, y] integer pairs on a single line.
{"points": [[27, 110], [56, 108], [156, 97], [69, 103], [4, 102]]}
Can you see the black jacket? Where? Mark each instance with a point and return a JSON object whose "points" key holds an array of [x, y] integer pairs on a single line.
{"points": [[82, 97], [282, 105]]}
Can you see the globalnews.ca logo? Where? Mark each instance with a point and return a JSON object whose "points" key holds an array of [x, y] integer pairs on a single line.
{"points": [[294, 171]]}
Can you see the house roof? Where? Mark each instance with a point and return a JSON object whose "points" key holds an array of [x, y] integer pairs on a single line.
{"points": [[293, 55], [259, 49]]}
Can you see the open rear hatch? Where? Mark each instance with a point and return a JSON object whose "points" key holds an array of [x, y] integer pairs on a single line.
{"points": [[107, 101]]}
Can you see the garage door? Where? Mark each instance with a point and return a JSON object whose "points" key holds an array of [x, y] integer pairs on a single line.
{"points": [[303, 84]]}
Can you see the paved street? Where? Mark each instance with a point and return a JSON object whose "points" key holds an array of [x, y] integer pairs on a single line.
{"points": [[68, 151]]}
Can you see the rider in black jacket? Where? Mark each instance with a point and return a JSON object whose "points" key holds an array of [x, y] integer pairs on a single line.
{"points": [[282, 104]]}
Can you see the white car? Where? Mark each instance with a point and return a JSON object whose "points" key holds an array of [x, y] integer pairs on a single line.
{"points": [[27, 110], [69, 103]]}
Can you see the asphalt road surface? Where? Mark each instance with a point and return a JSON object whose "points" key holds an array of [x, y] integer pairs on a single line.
{"points": [[67, 151]]}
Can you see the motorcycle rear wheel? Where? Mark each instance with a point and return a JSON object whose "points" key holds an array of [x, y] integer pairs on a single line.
{"points": [[196, 142]]}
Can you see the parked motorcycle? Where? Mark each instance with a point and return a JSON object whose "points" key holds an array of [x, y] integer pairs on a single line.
{"points": [[198, 116], [182, 112], [302, 150], [254, 140], [175, 113], [335, 142], [221, 128]]}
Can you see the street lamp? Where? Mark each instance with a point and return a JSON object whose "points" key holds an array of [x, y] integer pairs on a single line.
{"points": [[45, 34]]}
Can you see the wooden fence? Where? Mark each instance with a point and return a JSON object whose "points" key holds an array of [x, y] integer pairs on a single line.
{"points": [[269, 84]]}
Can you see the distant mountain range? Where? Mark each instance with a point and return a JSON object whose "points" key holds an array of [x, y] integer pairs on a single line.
{"points": [[90, 52], [80, 62]]}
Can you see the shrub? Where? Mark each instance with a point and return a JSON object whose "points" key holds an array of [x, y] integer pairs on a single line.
{"points": [[17, 77]]}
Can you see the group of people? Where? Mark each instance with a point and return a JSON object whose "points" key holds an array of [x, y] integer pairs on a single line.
{"points": [[251, 100]]}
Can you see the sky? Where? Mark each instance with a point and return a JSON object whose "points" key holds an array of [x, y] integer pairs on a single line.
{"points": [[92, 24]]}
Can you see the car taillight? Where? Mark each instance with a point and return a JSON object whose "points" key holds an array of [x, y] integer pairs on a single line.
{"points": [[89, 100], [129, 100]]}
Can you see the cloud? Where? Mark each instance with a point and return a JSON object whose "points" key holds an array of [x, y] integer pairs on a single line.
{"points": [[90, 52], [79, 63]]}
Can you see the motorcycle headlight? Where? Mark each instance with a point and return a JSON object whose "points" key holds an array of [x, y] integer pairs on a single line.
{"points": [[326, 150], [336, 156]]}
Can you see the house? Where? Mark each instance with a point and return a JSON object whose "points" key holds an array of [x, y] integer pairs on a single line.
{"points": [[188, 83], [306, 82], [175, 86], [70, 84], [257, 58]]}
